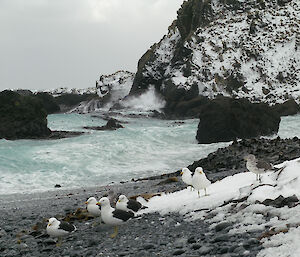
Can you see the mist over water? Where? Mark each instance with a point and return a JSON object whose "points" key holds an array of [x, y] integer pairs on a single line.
{"points": [[145, 147], [150, 100]]}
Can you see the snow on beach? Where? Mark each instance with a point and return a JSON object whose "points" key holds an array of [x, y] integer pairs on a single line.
{"points": [[280, 226]]}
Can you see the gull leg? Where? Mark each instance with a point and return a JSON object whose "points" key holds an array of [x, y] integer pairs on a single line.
{"points": [[59, 242], [115, 232], [199, 193], [257, 177], [205, 192]]}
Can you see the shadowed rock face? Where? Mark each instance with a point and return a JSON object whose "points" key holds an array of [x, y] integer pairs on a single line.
{"points": [[48, 101], [226, 119], [22, 117]]}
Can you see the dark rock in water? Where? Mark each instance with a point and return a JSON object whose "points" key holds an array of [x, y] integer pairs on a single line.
{"points": [[22, 117], [281, 201], [63, 134], [57, 186], [112, 124], [225, 119], [290, 107]]}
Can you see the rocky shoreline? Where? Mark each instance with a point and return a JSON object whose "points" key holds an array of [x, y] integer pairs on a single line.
{"points": [[23, 218]]}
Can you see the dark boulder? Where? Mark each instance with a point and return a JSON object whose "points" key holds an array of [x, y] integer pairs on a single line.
{"points": [[290, 107], [281, 201], [112, 124], [22, 116], [225, 119]]}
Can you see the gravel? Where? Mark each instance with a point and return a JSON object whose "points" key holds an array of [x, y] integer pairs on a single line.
{"points": [[150, 235]]}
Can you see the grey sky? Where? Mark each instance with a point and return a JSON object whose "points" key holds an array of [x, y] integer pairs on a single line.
{"points": [[54, 43]]}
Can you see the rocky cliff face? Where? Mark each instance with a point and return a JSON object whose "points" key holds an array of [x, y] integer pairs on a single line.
{"points": [[236, 48]]}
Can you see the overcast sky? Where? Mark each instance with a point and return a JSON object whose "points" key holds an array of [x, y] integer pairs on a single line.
{"points": [[53, 43]]}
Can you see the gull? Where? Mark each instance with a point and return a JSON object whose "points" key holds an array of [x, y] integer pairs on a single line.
{"points": [[126, 204], [257, 166], [93, 208], [186, 176], [199, 180], [113, 216], [56, 228]]}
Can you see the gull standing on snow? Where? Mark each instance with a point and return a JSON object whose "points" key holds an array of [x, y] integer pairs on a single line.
{"points": [[56, 228], [113, 216], [126, 204], [199, 180], [257, 166], [186, 176]]}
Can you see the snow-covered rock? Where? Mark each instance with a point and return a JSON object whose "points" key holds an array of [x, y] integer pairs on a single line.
{"points": [[241, 200], [114, 87], [242, 49], [65, 90]]}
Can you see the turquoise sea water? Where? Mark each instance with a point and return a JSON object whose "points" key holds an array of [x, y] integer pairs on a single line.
{"points": [[145, 147]]}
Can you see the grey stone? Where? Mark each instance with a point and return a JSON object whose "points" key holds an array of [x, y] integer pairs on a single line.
{"points": [[251, 242], [191, 240], [221, 238], [49, 241], [2, 233], [179, 252], [223, 250], [205, 250], [239, 250], [222, 225], [196, 246], [148, 246]]}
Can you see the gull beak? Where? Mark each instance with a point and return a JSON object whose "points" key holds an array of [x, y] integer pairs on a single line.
{"points": [[98, 203], [119, 201], [86, 202], [181, 173]]}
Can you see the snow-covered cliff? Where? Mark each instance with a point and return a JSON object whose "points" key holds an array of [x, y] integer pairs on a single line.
{"points": [[236, 48]]}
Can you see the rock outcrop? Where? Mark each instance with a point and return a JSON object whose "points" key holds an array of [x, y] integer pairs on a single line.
{"points": [[231, 158], [226, 119], [22, 116], [241, 49]]}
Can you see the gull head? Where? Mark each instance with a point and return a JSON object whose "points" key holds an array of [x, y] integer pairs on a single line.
{"points": [[104, 201], [52, 221], [199, 170], [91, 200], [122, 198], [249, 157], [185, 171]]}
